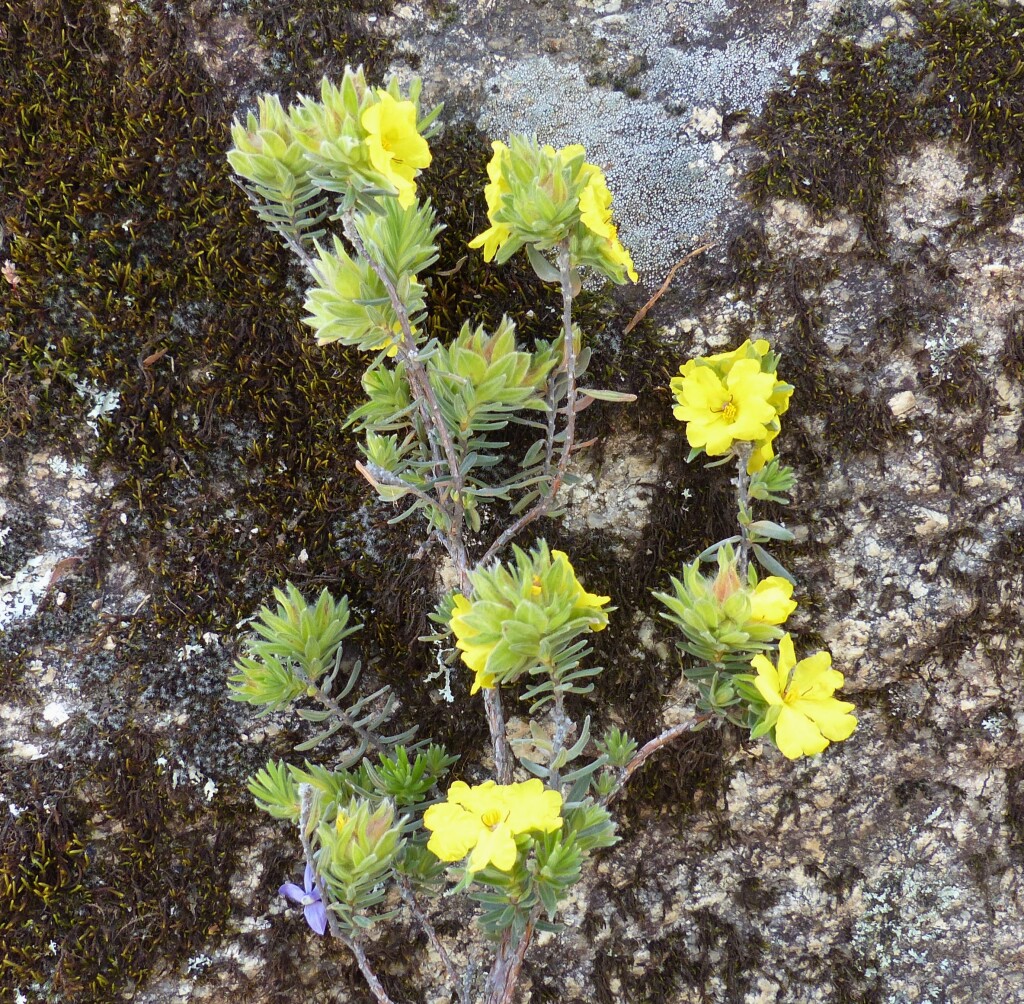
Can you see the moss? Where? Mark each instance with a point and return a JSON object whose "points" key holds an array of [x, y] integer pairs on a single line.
{"points": [[100, 886], [1011, 358], [831, 139], [1015, 810], [144, 273], [310, 38], [708, 956], [974, 50]]}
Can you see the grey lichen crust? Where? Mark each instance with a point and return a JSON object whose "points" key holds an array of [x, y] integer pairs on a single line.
{"points": [[649, 89]]}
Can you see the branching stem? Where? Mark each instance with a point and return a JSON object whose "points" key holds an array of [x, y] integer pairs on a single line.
{"points": [[338, 711], [568, 369], [507, 967], [564, 727], [499, 738], [430, 410], [743, 451], [376, 987], [648, 750]]}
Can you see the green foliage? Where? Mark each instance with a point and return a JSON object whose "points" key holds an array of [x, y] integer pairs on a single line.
{"points": [[356, 857], [548, 865], [269, 155], [559, 864], [715, 614], [402, 241], [482, 380], [772, 483], [395, 778], [554, 757], [275, 791], [618, 746], [299, 643], [527, 618], [408, 783], [349, 303]]}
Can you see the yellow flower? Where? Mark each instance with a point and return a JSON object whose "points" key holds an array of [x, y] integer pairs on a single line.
{"points": [[723, 361], [584, 602], [809, 717], [495, 235], [771, 601], [720, 411], [394, 144], [763, 451], [474, 653], [595, 204], [486, 818], [722, 364], [391, 341]]}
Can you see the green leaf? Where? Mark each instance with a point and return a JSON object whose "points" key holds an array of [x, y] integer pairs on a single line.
{"points": [[275, 792], [616, 396], [768, 528], [771, 565], [546, 272], [708, 553]]}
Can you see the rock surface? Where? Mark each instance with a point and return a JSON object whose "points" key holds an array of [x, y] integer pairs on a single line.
{"points": [[888, 870]]}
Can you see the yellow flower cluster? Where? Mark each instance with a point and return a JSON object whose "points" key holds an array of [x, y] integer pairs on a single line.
{"points": [[596, 215], [732, 397], [769, 602], [497, 233], [502, 631], [800, 699], [354, 134], [587, 192], [483, 821]]}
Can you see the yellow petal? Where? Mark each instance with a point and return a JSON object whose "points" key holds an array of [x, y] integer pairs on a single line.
{"points": [[787, 657], [813, 678], [454, 833], [831, 717], [767, 681], [771, 601], [496, 847], [531, 806], [482, 681], [797, 736]]}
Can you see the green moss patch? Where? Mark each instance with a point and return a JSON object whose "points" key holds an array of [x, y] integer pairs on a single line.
{"points": [[831, 138], [100, 885]]}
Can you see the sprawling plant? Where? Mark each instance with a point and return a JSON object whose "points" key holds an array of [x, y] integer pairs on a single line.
{"points": [[336, 179]]}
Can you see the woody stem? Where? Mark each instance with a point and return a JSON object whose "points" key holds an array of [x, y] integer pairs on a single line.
{"points": [[743, 451]]}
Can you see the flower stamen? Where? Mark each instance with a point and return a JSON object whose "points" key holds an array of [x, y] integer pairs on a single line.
{"points": [[491, 817]]}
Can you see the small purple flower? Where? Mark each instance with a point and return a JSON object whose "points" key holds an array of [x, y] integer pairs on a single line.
{"points": [[309, 899]]}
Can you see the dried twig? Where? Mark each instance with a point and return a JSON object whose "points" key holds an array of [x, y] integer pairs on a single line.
{"points": [[642, 312]]}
